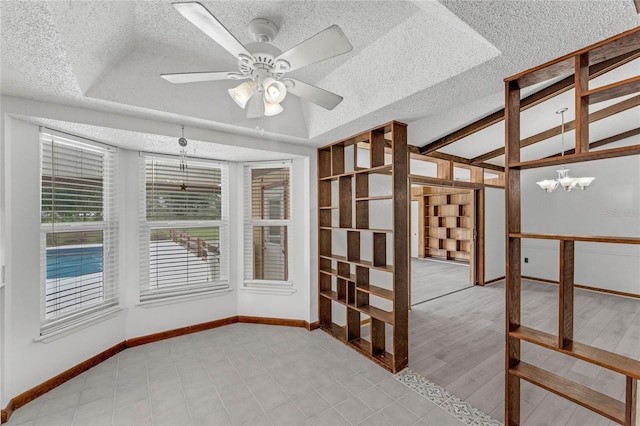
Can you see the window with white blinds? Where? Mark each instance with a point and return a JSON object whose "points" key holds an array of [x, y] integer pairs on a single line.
{"points": [[183, 217], [78, 231], [267, 223]]}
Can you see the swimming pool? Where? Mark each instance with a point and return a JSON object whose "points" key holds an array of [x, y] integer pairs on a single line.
{"points": [[73, 262]]}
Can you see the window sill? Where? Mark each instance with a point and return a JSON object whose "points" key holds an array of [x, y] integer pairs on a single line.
{"points": [[170, 300], [279, 288], [58, 334]]}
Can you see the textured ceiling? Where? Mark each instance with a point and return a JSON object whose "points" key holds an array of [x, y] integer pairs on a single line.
{"points": [[435, 65]]}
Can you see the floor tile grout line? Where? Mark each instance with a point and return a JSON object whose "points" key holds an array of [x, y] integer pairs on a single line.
{"points": [[184, 397], [441, 296], [424, 380]]}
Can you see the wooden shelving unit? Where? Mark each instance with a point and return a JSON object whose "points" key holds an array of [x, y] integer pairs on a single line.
{"points": [[577, 63], [364, 267], [446, 223]]}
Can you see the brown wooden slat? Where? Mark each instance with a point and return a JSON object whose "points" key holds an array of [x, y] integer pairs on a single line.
{"points": [[480, 243], [476, 126], [329, 294], [357, 229], [353, 324], [513, 251], [401, 265], [425, 180], [376, 291], [387, 268], [602, 404], [377, 337], [604, 50], [379, 249], [335, 330], [353, 246], [612, 361], [614, 46], [581, 106], [376, 313], [375, 198], [461, 160], [585, 238], [637, 4], [384, 359], [565, 294], [345, 195], [577, 158], [376, 148], [613, 90], [631, 401]]}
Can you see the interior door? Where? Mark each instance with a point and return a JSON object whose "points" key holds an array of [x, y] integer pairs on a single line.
{"points": [[414, 228]]}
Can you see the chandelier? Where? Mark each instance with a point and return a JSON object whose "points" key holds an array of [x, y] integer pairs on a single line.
{"points": [[567, 182]]}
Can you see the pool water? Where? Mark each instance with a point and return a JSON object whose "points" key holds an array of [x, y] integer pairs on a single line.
{"points": [[73, 262]]}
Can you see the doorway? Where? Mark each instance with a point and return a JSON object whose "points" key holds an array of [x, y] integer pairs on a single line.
{"points": [[443, 241]]}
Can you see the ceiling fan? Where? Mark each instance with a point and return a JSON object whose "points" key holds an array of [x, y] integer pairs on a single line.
{"points": [[263, 64]]}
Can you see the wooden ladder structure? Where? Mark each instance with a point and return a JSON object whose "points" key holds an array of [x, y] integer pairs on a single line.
{"points": [[576, 64]]}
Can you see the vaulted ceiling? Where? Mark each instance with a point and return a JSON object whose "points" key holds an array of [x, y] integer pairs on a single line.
{"points": [[435, 65]]}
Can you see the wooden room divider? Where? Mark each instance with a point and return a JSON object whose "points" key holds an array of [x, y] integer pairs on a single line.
{"points": [[579, 64], [363, 243]]}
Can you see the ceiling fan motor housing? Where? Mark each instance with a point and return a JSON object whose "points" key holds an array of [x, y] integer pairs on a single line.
{"points": [[262, 62], [263, 30]]}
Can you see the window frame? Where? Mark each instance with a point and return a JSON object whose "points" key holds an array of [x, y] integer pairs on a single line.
{"points": [[250, 223], [187, 290], [108, 226]]}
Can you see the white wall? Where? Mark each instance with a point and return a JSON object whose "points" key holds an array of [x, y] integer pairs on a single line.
{"points": [[609, 207], [494, 229], [296, 302], [26, 363]]}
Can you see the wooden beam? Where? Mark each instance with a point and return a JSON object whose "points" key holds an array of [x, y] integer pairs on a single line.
{"points": [[513, 286], [637, 3], [472, 128], [528, 102], [603, 142], [555, 131], [462, 160]]}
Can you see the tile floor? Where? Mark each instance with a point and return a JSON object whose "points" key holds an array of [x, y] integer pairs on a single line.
{"points": [[247, 374]]}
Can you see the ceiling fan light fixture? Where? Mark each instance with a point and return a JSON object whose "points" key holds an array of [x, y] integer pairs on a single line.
{"points": [[243, 92], [271, 109], [274, 91]]}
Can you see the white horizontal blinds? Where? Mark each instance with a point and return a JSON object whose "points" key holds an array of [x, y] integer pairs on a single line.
{"points": [[267, 220], [183, 227], [78, 231], [72, 183], [188, 192]]}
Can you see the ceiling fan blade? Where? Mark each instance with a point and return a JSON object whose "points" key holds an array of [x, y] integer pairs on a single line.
{"points": [[255, 107], [324, 45], [314, 94], [208, 24], [193, 77]]}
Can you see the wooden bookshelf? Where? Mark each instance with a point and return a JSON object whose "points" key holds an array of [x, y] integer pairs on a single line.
{"points": [[576, 65], [360, 180], [446, 225]]}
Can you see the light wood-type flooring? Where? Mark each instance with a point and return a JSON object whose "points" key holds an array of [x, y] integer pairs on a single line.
{"points": [[457, 341], [433, 278]]}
